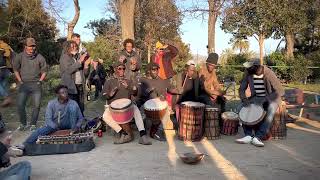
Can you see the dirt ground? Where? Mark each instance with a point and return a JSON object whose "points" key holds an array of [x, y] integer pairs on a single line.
{"points": [[297, 157]]}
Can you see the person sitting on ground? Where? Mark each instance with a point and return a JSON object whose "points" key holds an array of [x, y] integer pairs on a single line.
{"points": [[62, 113], [119, 87], [20, 170], [155, 87], [211, 84], [266, 90]]}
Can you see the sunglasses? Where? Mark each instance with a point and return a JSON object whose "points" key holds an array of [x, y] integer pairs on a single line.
{"points": [[154, 69], [121, 69]]}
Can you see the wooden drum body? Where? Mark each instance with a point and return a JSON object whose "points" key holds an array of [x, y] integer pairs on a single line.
{"points": [[211, 123], [122, 110], [191, 121], [230, 123], [155, 109]]}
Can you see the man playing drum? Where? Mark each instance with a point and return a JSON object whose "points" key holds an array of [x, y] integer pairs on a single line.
{"points": [[266, 90], [118, 87], [211, 84], [155, 87]]}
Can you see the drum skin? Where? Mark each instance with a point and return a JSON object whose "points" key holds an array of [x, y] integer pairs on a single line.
{"points": [[191, 122], [211, 123], [155, 114], [252, 114], [123, 114], [230, 124]]}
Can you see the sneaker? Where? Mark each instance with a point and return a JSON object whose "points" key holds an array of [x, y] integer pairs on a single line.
{"points": [[124, 138], [257, 142], [159, 135], [144, 140], [13, 151], [244, 140], [33, 127], [22, 128]]}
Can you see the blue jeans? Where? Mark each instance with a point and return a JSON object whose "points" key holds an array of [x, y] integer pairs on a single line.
{"points": [[27, 89], [263, 127], [4, 74], [19, 171], [69, 122]]}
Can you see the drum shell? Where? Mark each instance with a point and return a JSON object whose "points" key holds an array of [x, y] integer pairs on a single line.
{"points": [[155, 115], [122, 116], [191, 123], [230, 126], [212, 123]]}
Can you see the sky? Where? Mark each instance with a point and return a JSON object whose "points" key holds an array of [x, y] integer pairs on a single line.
{"points": [[193, 31]]}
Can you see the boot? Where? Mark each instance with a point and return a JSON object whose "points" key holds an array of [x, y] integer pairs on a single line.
{"points": [[144, 140], [123, 138]]}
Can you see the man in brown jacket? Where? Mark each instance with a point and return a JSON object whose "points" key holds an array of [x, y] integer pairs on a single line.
{"points": [[266, 90], [211, 84]]}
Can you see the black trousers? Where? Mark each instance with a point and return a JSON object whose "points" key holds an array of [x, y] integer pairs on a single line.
{"points": [[79, 98]]}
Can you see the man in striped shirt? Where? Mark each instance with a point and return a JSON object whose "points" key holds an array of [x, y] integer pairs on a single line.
{"points": [[266, 90]]}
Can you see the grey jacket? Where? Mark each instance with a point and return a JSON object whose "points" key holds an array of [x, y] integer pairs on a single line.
{"points": [[68, 68], [274, 89]]}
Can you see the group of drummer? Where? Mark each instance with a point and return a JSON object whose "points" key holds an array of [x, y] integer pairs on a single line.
{"points": [[157, 89]]}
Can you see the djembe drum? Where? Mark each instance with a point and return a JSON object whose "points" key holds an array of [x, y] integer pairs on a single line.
{"points": [[230, 123], [155, 109], [211, 123], [191, 121], [122, 112], [252, 114]]}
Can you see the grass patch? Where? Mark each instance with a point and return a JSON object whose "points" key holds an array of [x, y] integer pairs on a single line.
{"points": [[306, 87]]}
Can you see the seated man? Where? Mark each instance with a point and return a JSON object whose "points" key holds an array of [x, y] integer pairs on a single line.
{"points": [[190, 86], [266, 90], [153, 86], [211, 84], [21, 170], [61, 113], [119, 87]]}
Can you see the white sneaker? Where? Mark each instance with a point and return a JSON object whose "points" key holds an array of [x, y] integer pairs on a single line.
{"points": [[244, 140], [257, 142]]}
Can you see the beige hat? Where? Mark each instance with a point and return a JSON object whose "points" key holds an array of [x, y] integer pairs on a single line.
{"points": [[30, 42]]}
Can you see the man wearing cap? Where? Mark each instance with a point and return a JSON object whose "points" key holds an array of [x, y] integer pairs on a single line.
{"points": [[266, 90], [154, 87], [211, 84], [30, 69], [163, 57], [118, 87]]}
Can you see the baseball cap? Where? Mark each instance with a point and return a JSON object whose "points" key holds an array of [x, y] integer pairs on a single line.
{"points": [[251, 63], [30, 42]]}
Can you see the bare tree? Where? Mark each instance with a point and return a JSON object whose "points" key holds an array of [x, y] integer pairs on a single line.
{"points": [[126, 10], [75, 19], [213, 8]]}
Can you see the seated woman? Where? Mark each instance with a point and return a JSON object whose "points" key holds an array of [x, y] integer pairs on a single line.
{"points": [[61, 113]]}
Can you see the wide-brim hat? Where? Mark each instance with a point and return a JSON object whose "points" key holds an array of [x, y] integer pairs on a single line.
{"points": [[212, 58]]}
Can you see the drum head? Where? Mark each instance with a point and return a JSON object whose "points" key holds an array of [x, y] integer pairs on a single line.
{"points": [[193, 104], [155, 104], [229, 115], [121, 104], [252, 114]]}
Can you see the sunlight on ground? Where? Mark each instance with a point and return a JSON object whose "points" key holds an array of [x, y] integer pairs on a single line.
{"points": [[172, 155], [294, 126], [225, 166]]}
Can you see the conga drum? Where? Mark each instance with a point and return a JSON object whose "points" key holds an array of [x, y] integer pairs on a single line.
{"points": [[211, 123], [191, 121], [122, 112], [230, 123], [155, 109], [252, 114], [278, 129]]}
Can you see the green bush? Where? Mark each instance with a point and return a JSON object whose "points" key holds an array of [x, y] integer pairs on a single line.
{"points": [[299, 70], [278, 59]]}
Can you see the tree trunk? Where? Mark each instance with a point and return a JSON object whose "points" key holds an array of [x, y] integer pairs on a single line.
{"points": [[289, 44], [211, 26], [261, 47], [127, 18], [75, 19], [149, 52]]}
